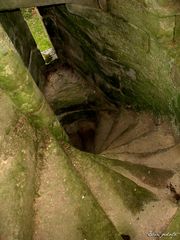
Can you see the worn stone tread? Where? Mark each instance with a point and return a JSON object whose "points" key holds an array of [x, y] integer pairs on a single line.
{"points": [[152, 142], [64, 207], [144, 125], [116, 202], [124, 120], [105, 123]]}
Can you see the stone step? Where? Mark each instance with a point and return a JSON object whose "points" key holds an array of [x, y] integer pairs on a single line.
{"points": [[17, 171], [167, 158], [124, 120], [159, 139], [145, 124], [155, 177], [65, 207], [105, 123], [126, 203]]}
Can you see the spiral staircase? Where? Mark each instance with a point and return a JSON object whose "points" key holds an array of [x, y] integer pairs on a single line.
{"points": [[127, 160], [116, 176], [123, 184], [134, 175]]}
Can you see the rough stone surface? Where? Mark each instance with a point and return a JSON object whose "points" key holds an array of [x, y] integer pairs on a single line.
{"points": [[130, 50], [14, 4], [20, 35], [17, 175]]}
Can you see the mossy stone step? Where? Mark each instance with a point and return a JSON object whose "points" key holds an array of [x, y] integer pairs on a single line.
{"points": [[64, 207], [156, 177]]}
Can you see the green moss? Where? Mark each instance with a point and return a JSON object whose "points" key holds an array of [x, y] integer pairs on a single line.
{"points": [[152, 176], [133, 196], [173, 230], [17, 186], [37, 29]]}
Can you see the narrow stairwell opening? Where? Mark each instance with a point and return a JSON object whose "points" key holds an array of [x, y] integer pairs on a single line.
{"points": [[82, 134], [89, 130]]}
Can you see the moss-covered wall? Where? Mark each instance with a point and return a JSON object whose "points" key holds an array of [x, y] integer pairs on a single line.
{"points": [[130, 50]]}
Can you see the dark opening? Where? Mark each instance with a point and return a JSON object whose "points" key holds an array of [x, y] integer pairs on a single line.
{"points": [[82, 134], [125, 237]]}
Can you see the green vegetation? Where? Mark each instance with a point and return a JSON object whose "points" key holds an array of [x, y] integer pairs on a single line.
{"points": [[36, 26], [173, 229]]}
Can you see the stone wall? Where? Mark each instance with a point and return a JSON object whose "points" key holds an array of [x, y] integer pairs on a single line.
{"points": [[130, 49]]}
